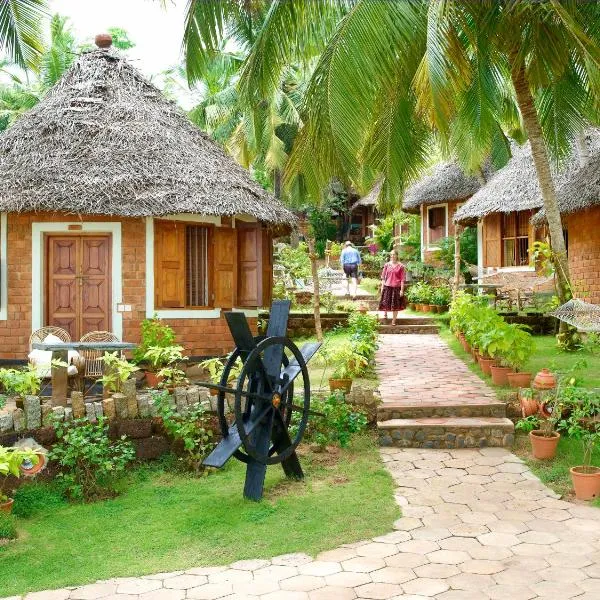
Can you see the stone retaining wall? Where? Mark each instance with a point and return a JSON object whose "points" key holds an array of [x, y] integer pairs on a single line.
{"points": [[303, 324]]}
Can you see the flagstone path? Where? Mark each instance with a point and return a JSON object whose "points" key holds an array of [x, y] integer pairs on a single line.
{"points": [[476, 525]]}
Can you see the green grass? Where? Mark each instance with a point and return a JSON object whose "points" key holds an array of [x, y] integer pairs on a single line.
{"points": [[584, 365], [165, 521], [555, 473]]}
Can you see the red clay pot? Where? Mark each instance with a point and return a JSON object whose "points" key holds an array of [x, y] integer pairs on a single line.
{"points": [[426, 307], [34, 468], [543, 448], [7, 506], [586, 484], [529, 406], [544, 380], [345, 385], [485, 364], [519, 380], [500, 374], [152, 379]]}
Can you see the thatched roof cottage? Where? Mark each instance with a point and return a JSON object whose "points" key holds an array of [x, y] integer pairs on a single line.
{"points": [[115, 207], [437, 197]]}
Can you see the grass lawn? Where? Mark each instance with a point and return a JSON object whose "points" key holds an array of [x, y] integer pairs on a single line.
{"points": [[555, 473], [165, 521], [586, 364]]}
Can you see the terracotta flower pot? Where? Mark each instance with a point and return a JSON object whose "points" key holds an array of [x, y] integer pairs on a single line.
{"points": [[29, 469], [7, 506], [345, 385], [586, 481], [152, 379], [500, 374], [543, 448], [474, 352], [529, 406], [426, 307], [412, 305], [519, 380], [544, 380], [486, 364]]}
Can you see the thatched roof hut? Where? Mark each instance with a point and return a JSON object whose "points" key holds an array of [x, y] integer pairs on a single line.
{"points": [[447, 182], [105, 141], [369, 200]]}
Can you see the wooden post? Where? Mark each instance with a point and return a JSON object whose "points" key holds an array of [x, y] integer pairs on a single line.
{"points": [[60, 378], [316, 299], [457, 233]]}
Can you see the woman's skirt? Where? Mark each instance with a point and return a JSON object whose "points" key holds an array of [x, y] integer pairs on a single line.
{"points": [[391, 299]]}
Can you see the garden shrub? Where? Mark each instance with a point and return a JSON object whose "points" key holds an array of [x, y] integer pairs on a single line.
{"points": [[191, 428], [155, 333], [363, 330], [295, 261], [88, 460], [8, 526], [35, 498]]}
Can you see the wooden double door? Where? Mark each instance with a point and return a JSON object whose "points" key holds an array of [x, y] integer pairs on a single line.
{"points": [[78, 283]]}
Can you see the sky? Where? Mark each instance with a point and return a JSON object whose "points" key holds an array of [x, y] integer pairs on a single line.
{"points": [[157, 32]]}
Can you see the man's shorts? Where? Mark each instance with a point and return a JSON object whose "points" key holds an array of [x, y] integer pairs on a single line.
{"points": [[351, 270]]}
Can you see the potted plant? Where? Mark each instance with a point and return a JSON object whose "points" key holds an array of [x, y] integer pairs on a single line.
{"points": [[582, 425], [441, 298], [153, 333], [529, 404], [18, 383], [335, 250], [14, 461], [160, 357], [412, 297], [117, 371], [347, 362], [517, 354], [215, 368]]}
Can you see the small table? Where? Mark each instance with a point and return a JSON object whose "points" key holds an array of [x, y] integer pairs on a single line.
{"points": [[60, 351]]}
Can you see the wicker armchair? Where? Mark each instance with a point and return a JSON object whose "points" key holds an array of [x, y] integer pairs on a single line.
{"points": [[94, 365], [39, 335]]}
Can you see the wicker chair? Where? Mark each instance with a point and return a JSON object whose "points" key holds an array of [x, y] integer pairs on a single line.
{"points": [[39, 335], [94, 365]]}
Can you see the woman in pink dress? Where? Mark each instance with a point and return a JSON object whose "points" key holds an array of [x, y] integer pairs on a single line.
{"points": [[392, 292]]}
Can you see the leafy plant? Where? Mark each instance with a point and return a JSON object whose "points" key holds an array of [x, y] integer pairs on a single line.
{"points": [[384, 234], [155, 333], [295, 261], [528, 424], [441, 296], [335, 249], [338, 425], [172, 377], [20, 382], [421, 292], [87, 459], [583, 426], [163, 356], [11, 460], [347, 362], [192, 429], [216, 366], [117, 371]]}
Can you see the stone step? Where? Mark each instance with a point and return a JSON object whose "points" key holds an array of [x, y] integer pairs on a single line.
{"points": [[446, 432], [416, 328], [401, 410], [413, 321]]}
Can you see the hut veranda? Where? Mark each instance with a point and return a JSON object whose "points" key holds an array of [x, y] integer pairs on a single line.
{"points": [[115, 207]]}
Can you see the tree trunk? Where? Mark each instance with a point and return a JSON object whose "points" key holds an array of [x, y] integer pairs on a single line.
{"points": [[457, 232], [582, 149], [315, 275], [542, 168]]}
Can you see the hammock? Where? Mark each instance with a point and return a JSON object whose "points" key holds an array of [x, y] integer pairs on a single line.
{"points": [[579, 314]]}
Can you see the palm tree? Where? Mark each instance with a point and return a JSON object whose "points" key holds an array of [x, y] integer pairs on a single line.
{"points": [[21, 31]]}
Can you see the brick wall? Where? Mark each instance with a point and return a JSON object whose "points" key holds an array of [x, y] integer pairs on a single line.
{"points": [[429, 255], [584, 253], [200, 337]]}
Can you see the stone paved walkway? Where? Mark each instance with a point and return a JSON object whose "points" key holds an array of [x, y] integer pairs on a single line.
{"points": [[417, 369], [477, 525]]}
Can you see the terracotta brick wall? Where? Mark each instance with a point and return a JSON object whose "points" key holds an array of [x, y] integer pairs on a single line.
{"points": [[452, 208], [584, 253], [200, 337]]}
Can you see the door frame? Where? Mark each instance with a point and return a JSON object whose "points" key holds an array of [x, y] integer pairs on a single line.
{"points": [[80, 235], [38, 266]]}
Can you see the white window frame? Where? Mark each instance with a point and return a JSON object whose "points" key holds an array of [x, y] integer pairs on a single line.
{"points": [[445, 207], [38, 231]]}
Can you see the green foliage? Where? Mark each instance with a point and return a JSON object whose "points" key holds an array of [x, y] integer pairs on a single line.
{"points": [[20, 382], [192, 429], [37, 498], [121, 39], [155, 334], [88, 460], [338, 425], [117, 370], [11, 460], [468, 250], [347, 363], [420, 293], [528, 424], [216, 366], [375, 261], [172, 377], [164, 356], [322, 227], [8, 526], [441, 295], [383, 234], [295, 261]]}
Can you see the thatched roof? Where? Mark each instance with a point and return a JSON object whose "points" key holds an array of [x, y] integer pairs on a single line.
{"points": [[516, 187], [370, 199], [105, 141], [447, 182], [580, 189]]}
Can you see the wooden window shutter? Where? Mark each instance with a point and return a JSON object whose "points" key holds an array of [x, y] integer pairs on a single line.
{"points": [[267, 268], [225, 267], [249, 265], [492, 240], [169, 264]]}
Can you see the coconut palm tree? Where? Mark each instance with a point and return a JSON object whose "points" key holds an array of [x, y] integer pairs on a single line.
{"points": [[21, 31]]}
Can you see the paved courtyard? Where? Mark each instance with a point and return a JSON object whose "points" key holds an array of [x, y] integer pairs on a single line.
{"points": [[477, 525]]}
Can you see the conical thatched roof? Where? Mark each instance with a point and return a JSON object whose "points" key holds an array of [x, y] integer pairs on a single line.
{"points": [[105, 141], [580, 189], [516, 187], [369, 199], [447, 182]]}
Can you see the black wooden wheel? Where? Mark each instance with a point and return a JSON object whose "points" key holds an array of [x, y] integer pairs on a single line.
{"points": [[271, 400]]}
